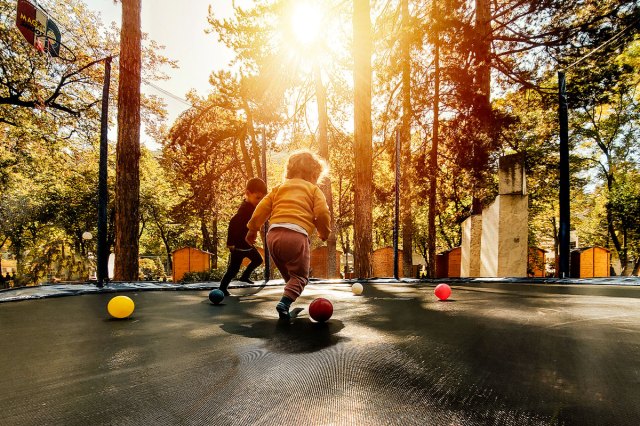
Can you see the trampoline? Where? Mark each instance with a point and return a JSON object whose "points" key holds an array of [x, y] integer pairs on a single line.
{"points": [[495, 353]]}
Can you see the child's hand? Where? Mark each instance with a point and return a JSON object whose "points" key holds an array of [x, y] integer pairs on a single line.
{"points": [[251, 237]]}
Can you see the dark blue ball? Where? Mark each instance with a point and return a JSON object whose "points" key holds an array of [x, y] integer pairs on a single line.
{"points": [[216, 296]]}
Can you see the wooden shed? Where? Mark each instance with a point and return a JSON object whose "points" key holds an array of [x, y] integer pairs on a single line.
{"points": [[536, 262], [319, 262], [382, 260], [448, 263], [590, 262], [189, 259], [8, 266]]}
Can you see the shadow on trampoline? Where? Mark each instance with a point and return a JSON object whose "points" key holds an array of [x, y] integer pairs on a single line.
{"points": [[542, 353], [297, 336]]}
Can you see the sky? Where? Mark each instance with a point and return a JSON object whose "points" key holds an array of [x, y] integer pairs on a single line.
{"points": [[179, 26]]}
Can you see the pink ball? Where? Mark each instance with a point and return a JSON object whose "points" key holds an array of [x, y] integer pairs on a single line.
{"points": [[320, 309], [442, 291]]}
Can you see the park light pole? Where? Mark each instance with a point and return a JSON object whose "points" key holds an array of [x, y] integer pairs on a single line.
{"points": [[564, 237]]}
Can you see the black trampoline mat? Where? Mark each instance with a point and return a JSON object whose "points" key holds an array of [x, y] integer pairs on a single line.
{"points": [[494, 354]]}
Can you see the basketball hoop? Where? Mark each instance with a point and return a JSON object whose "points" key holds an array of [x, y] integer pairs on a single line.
{"points": [[40, 30]]}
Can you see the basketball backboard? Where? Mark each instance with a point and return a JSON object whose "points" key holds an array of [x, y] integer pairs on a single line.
{"points": [[38, 28]]}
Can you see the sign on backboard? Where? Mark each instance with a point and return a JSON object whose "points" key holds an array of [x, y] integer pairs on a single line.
{"points": [[37, 28]]}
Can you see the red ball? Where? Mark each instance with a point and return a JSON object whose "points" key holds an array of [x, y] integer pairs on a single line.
{"points": [[442, 291], [320, 309]]}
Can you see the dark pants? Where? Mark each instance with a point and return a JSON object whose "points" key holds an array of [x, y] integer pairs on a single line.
{"points": [[290, 252], [235, 262]]}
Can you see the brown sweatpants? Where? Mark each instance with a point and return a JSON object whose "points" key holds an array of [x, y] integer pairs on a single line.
{"points": [[290, 252]]}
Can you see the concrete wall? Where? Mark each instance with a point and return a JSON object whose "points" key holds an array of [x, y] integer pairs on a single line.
{"points": [[489, 252], [514, 237], [511, 175], [495, 244], [505, 237], [471, 246]]}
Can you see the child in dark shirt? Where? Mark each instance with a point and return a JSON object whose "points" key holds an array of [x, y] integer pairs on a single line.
{"points": [[254, 192]]}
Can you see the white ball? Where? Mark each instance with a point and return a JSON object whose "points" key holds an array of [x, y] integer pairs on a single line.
{"points": [[357, 288]]}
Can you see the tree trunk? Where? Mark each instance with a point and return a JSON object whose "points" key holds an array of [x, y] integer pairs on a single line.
{"points": [[246, 159], [167, 248], [362, 138], [214, 242], [483, 61], [433, 164], [483, 81], [16, 247], [206, 236], [127, 197], [405, 140], [252, 134], [164, 235], [556, 246], [636, 267], [323, 144], [616, 241], [2, 245], [622, 252]]}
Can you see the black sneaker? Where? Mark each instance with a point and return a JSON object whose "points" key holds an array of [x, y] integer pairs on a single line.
{"points": [[246, 280], [283, 310], [225, 292]]}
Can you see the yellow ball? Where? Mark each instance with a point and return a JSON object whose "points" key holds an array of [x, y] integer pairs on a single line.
{"points": [[120, 307], [357, 288]]}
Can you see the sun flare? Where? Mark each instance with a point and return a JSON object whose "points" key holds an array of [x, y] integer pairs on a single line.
{"points": [[306, 23]]}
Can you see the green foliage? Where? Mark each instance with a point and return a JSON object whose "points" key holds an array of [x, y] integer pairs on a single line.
{"points": [[50, 121], [189, 191], [624, 207], [151, 269], [194, 277], [200, 156]]}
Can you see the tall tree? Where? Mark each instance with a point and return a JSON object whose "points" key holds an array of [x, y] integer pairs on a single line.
{"points": [[482, 101], [405, 140], [363, 138], [323, 144], [433, 156], [127, 200], [200, 154]]}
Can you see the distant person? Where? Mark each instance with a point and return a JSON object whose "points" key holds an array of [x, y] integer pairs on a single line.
{"points": [[236, 243], [294, 209], [2, 281]]}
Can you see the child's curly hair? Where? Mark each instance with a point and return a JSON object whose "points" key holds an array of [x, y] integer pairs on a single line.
{"points": [[304, 164]]}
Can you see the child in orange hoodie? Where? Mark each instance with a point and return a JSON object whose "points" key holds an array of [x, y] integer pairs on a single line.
{"points": [[294, 209]]}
